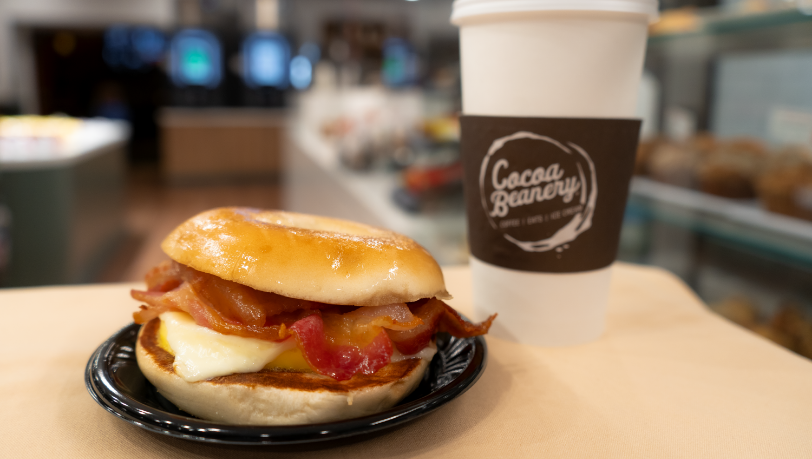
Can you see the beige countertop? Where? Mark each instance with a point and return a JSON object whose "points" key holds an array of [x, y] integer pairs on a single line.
{"points": [[668, 379]]}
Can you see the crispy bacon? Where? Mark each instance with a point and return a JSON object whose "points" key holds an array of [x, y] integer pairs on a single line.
{"points": [[339, 361], [224, 306], [363, 324], [187, 299], [337, 341], [436, 316], [164, 277]]}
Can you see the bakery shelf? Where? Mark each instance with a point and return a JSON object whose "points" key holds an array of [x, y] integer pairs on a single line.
{"points": [[711, 21], [741, 222]]}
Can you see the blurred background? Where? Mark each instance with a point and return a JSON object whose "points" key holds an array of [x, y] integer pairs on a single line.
{"points": [[120, 119]]}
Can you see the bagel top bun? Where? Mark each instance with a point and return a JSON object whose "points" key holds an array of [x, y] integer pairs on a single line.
{"points": [[307, 257]]}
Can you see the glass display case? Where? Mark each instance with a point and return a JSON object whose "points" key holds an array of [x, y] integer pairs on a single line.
{"points": [[61, 198], [722, 195]]}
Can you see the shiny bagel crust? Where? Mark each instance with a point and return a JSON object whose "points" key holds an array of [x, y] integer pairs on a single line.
{"points": [[275, 397], [307, 257]]}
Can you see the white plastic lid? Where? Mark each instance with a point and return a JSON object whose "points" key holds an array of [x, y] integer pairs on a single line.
{"points": [[468, 8]]}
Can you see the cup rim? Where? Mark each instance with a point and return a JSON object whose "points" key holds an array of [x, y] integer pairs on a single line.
{"points": [[464, 9]]}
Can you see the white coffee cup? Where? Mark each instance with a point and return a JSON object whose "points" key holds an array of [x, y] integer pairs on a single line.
{"points": [[559, 59]]}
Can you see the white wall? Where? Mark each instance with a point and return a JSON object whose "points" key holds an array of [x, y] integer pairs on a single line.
{"points": [[14, 59]]}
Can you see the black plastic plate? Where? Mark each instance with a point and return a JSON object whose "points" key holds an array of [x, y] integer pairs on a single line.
{"points": [[117, 384]]}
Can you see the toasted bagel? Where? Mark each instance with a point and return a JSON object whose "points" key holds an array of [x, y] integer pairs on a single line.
{"points": [[275, 397], [307, 257]]}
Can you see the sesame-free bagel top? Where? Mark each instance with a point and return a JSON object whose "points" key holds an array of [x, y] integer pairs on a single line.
{"points": [[307, 257]]}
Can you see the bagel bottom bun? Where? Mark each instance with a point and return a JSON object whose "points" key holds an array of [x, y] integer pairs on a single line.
{"points": [[275, 397]]}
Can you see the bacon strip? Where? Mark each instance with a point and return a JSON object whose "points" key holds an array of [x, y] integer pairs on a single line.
{"points": [[340, 361], [363, 324], [223, 306], [164, 277], [436, 316], [186, 299]]}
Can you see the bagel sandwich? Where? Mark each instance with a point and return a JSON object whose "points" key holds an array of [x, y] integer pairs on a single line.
{"points": [[279, 318]]}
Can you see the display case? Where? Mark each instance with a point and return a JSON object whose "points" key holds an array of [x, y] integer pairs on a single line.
{"points": [[722, 195], [748, 264], [734, 71], [61, 198]]}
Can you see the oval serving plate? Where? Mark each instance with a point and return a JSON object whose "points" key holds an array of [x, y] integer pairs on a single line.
{"points": [[117, 384]]}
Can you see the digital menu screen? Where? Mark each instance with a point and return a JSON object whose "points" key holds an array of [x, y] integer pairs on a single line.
{"points": [[195, 59], [266, 58]]}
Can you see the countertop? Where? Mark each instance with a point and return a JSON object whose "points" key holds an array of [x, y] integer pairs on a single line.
{"points": [[668, 379]]}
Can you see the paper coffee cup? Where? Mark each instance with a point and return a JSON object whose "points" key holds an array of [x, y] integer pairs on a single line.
{"points": [[548, 142]]}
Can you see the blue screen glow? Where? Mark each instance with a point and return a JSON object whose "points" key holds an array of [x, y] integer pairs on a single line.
{"points": [[301, 72], [399, 63], [149, 43], [132, 48], [195, 59], [265, 60]]}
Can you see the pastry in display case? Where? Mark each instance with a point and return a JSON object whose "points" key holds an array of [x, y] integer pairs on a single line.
{"points": [[786, 185], [788, 326], [434, 176], [670, 162], [730, 169], [742, 169]]}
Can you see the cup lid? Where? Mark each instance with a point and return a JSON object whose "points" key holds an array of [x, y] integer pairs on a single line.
{"points": [[468, 8]]}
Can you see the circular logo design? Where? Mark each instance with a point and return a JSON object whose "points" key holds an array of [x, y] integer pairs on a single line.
{"points": [[539, 193]]}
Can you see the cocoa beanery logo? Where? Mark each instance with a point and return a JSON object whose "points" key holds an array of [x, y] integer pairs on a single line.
{"points": [[538, 192]]}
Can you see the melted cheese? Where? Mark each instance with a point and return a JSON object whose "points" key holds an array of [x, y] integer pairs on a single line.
{"points": [[201, 353], [427, 353], [291, 359]]}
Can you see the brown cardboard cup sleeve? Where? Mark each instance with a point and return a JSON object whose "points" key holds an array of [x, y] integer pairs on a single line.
{"points": [[547, 194]]}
